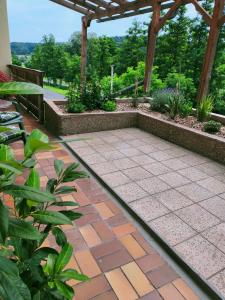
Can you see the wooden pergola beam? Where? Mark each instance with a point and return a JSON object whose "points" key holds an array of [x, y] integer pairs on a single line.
{"points": [[85, 25], [72, 6], [102, 3], [88, 6], [211, 49], [133, 13], [152, 36], [170, 14], [206, 16]]}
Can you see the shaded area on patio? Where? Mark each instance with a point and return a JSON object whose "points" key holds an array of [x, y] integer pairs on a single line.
{"points": [[177, 193]]}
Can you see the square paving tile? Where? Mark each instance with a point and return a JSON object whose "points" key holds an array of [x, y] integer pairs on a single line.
{"points": [[216, 235], [175, 164], [195, 192], [153, 185], [143, 159], [213, 185], [174, 179], [157, 168], [112, 155], [193, 173], [218, 281], [130, 192], [176, 151], [95, 141], [124, 163], [94, 159], [197, 251], [129, 152], [137, 173], [136, 143], [121, 145], [197, 217], [115, 179], [84, 151], [172, 229], [160, 155], [216, 206], [212, 168], [147, 149], [104, 168], [173, 200], [194, 159], [149, 208]]}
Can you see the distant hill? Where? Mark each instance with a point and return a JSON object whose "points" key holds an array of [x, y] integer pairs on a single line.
{"points": [[22, 48]]}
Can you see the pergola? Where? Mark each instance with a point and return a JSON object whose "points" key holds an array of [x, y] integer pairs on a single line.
{"points": [[106, 10]]}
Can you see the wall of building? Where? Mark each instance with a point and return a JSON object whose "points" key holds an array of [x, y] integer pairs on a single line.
{"points": [[5, 52]]}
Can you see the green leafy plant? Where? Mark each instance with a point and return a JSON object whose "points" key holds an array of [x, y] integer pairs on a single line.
{"points": [[185, 108], [204, 109], [212, 126], [160, 100], [29, 270], [219, 107], [74, 100], [174, 105], [109, 105], [19, 88], [92, 96]]}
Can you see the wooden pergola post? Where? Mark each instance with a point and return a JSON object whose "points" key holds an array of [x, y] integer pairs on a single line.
{"points": [[85, 24], [152, 36], [215, 26]]}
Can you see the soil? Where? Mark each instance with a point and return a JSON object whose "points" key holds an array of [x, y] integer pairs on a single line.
{"points": [[190, 121]]}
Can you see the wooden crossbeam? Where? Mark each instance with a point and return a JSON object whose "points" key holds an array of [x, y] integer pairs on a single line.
{"points": [[72, 6], [206, 16], [134, 13], [88, 5], [102, 3], [170, 14]]}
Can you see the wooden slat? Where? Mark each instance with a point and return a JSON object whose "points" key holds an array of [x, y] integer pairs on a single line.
{"points": [[102, 3], [210, 50], [133, 13], [72, 6]]}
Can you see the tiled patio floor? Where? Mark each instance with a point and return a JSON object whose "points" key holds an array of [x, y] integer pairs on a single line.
{"points": [[179, 194], [107, 246]]}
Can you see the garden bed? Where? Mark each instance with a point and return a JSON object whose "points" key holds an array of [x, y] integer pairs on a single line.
{"points": [[185, 132]]}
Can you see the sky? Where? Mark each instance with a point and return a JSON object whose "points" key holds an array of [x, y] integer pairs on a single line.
{"points": [[29, 20]]}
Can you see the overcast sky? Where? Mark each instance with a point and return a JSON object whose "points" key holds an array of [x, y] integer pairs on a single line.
{"points": [[29, 20]]}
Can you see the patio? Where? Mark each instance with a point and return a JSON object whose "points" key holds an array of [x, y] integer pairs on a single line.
{"points": [[108, 246], [177, 193]]}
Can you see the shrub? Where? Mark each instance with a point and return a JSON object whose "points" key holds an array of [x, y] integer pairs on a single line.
{"points": [[185, 108], [74, 100], [174, 104], [92, 96], [109, 105], [212, 126], [160, 100], [204, 109], [28, 269], [219, 107], [186, 84]]}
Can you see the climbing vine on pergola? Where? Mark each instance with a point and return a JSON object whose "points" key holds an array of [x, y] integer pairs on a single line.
{"points": [[106, 10]]}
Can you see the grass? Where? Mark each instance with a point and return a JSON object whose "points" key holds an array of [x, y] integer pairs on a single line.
{"points": [[55, 89]]}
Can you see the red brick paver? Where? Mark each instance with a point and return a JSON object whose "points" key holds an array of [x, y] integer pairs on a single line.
{"points": [[107, 246]]}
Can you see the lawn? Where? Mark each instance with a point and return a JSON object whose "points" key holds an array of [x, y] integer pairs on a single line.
{"points": [[55, 89]]}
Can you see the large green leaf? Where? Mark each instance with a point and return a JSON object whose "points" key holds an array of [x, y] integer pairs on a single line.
{"points": [[65, 203], [14, 287], [22, 229], [49, 267], [63, 258], [4, 220], [72, 215], [65, 190], [11, 166], [28, 192], [59, 165], [60, 236], [51, 217], [41, 254], [6, 153], [20, 88], [72, 274], [64, 289], [8, 266], [33, 180]]}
